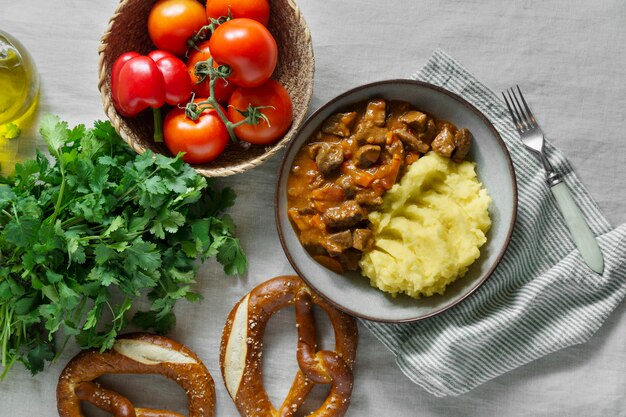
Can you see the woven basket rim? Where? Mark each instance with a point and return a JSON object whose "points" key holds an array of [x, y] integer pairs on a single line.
{"points": [[121, 129]]}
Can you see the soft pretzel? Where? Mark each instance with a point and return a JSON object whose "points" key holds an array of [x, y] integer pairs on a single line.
{"points": [[137, 353], [242, 346]]}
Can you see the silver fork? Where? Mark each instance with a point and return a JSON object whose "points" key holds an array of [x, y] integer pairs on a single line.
{"points": [[532, 137]]}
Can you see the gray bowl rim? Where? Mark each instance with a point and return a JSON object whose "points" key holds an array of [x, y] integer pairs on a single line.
{"points": [[382, 83]]}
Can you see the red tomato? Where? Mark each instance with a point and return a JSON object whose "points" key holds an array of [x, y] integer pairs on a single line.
{"points": [[223, 89], [172, 23], [248, 48], [202, 140], [258, 10], [280, 116]]}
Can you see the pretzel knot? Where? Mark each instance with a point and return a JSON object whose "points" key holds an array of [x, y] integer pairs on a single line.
{"points": [[137, 353], [242, 345]]}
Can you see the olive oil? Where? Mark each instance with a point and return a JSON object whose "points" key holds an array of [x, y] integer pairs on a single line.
{"points": [[19, 86]]}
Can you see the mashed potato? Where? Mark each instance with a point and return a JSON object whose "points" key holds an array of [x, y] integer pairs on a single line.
{"points": [[430, 228]]}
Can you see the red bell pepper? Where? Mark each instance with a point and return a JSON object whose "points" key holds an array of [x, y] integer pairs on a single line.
{"points": [[139, 82], [117, 65], [178, 84]]}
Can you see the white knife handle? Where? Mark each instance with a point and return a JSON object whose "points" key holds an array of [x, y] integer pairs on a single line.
{"points": [[581, 233]]}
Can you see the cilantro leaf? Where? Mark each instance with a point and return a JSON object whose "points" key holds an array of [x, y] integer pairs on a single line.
{"points": [[38, 355], [54, 132], [92, 228], [233, 258]]}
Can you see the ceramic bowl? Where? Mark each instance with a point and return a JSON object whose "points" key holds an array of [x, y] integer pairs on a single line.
{"points": [[352, 292], [127, 32]]}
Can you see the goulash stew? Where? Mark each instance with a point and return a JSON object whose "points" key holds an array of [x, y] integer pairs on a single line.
{"points": [[343, 170]]}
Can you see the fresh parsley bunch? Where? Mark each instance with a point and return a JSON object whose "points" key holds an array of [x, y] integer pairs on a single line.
{"points": [[85, 233]]}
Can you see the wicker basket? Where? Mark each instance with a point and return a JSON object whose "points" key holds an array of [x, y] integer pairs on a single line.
{"points": [[127, 31]]}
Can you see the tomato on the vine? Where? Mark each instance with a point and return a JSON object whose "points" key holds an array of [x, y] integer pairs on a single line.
{"points": [[279, 112], [248, 48], [258, 10], [223, 88], [172, 23], [202, 140]]}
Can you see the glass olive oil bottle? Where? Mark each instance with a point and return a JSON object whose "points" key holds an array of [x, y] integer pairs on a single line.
{"points": [[19, 86]]}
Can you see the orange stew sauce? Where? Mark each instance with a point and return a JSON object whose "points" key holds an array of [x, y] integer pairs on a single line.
{"points": [[340, 175]]}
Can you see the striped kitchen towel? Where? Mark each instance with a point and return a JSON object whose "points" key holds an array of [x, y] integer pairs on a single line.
{"points": [[540, 299]]}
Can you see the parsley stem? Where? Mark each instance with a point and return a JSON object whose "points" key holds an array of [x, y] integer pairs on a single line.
{"points": [[6, 331], [89, 237], [72, 221], [57, 207], [9, 333], [60, 351]]}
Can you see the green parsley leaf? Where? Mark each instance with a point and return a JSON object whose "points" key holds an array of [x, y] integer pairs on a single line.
{"points": [[38, 355], [90, 229], [233, 258]]}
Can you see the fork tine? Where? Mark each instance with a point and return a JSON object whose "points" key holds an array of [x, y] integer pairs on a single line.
{"points": [[530, 114], [518, 114], [515, 121], [522, 115]]}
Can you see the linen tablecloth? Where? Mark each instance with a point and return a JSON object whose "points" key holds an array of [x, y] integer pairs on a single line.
{"points": [[567, 55]]}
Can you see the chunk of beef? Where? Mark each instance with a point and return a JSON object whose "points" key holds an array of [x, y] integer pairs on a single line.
{"points": [[415, 119], [362, 239], [395, 148], [366, 155], [314, 148], [305, 211], [444, 142], [328, 156], [369, 199], [368, 134], [347, 184], [379, 137], [337, 243], [376, 112], [350, 260], [344, 216], [431, 131], [462, 144], [411, 141], [339, 124]]}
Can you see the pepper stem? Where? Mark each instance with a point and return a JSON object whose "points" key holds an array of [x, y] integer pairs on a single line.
{"points": [[158, 124]]}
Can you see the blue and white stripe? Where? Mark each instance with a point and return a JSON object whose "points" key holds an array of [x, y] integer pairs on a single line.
{"points": [[541, 298]]}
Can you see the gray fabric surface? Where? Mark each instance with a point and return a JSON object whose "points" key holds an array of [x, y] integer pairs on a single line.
{"points": [[541, 298], [566, 54]]}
